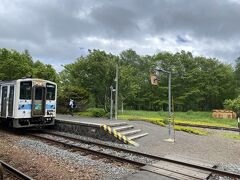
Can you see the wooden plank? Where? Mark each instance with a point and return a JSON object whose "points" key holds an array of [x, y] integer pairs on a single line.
{"points": [[168, 173], [164, 163], [181, 169], [189, 160]]}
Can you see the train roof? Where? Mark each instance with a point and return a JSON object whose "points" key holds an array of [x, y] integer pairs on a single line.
{"points": [[25, 79], [12, 81]]}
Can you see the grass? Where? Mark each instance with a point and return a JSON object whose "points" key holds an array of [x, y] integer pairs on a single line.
{"points": [[232, 136], [93, 112], [85, 113], [177, 128], [190, 117]]}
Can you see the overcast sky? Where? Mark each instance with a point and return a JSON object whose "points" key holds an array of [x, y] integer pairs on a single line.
{"points": [[57, 32]]}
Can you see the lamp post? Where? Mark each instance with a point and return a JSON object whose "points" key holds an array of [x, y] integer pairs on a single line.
{"points": [[169, 100], [111, 102]]}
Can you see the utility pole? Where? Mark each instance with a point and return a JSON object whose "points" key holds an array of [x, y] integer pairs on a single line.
{"points": [[111, 102], [169, 103], [116, 94]]}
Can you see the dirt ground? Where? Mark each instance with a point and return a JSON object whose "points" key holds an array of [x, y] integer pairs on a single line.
{"points": [[41, 166]]}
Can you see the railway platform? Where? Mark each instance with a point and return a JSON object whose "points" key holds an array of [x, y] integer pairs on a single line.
{"points": [[154, 141], [210, 148], [102, 129]]}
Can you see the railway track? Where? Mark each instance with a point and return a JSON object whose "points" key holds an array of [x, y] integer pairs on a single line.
{"points": [[8, 172], [142, 160]]}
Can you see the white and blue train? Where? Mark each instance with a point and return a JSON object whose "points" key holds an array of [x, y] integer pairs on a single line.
{"points": [[28, 102]]}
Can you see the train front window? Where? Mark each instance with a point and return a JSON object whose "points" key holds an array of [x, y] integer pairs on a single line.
{"points": [[26, 90], [50, 92], [38, 93]]}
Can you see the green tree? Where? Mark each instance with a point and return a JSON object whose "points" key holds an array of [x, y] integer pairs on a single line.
{"points": [[198, 83], [233, 104], [95, 73], [44, 71], [14, 65], [79, 95]]}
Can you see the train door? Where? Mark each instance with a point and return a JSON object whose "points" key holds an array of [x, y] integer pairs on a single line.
{"points": [[38, 101], [10, 102], [4, 101]]}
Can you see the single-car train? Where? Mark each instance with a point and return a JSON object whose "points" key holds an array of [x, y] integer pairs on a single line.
{"points": [[28, 102]]}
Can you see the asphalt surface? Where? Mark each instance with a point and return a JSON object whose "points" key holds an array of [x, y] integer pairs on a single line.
{"points": [[213, 148]]}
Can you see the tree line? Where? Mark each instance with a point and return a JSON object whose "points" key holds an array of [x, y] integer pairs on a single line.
{"points": [[198, 83], [15, 65]]}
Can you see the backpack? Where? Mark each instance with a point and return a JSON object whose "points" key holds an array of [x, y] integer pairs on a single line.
{"points": [[74, 104]]}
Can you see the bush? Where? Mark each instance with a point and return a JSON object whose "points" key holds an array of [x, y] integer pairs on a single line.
{"points": [[233, 105], [160, 123], [165, 121], [62, 109], [79, 95], [191, 130], [97, 112], [151, 120], [85, 113]]}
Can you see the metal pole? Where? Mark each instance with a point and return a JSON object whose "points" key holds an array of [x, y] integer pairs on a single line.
{"points": [[169, 101], [169, 104], [111, 103], [116, 94], [173, 118]]}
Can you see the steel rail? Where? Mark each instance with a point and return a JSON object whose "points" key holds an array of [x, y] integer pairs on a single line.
{"points": [[122, 159], [14, 171], [154, 157]]}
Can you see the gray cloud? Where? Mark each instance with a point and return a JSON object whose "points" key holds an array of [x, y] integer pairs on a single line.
{"points": [[59, 31]]}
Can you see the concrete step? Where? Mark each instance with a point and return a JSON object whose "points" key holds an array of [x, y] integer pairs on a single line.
{"points": [[137, 136], [122, 128], [117, 124], [130, 132]]}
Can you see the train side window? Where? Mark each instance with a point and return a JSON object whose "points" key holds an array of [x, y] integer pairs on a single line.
{"points": [[26, 90], [50, 91]]}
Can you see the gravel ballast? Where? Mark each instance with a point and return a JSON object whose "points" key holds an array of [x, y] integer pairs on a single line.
{"points": [[45, 161], [99, 148], [109, 170]]}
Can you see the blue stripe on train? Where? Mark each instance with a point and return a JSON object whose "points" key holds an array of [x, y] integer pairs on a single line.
{"points": [[50, 106], [29, 106], [24, 106]]}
